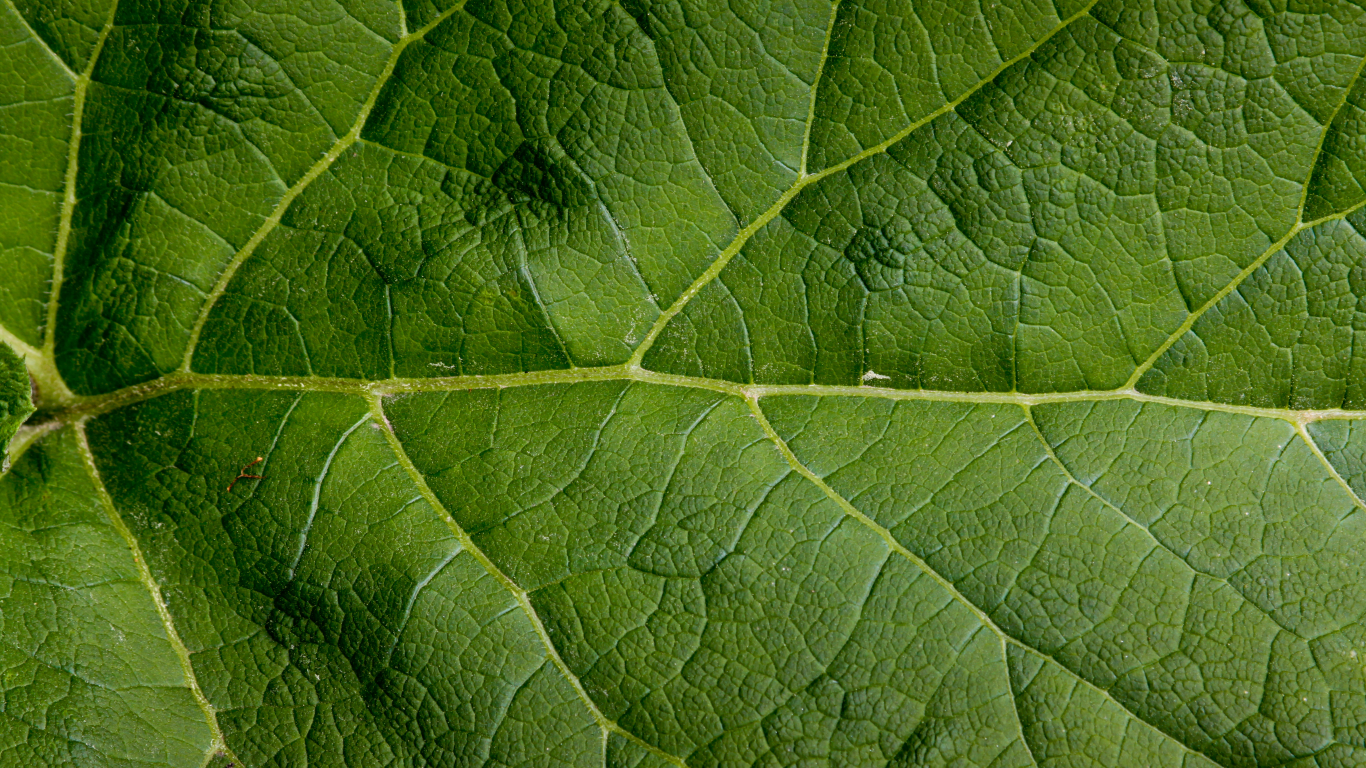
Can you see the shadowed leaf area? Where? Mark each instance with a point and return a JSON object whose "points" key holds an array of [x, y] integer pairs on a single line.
{"points": [[662, 383]]}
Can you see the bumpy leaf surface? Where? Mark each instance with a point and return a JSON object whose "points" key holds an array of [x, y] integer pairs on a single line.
{"points": [[655, 383], [16, 394]]}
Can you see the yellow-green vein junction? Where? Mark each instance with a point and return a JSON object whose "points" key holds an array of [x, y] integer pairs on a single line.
{"points": [[1302, 430]]}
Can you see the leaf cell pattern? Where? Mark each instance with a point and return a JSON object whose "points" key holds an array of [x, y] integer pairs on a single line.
{"points": [[682, 383]]}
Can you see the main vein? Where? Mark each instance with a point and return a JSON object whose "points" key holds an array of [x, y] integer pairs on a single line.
{"points": [[342, 144], [178, 381]]}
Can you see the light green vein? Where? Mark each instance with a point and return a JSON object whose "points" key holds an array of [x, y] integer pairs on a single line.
{"points": [[24, 349], [69, 184], [1232, 286], [807, 180], [43, 43], [342, 144], [1323, 136], [948, 586], [1238, 279], [172, 382], [219, 744], [50, 380], [1303, 432], [520, 595], [815, 86]]}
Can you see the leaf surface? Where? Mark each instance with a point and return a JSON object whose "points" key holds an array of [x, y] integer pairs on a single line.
{"points": [[16, 397], [676, 382]]}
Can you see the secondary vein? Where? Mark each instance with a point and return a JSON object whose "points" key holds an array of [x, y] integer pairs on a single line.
{"points": [[43, 43], [1299, 225], [520, 595], [219, 743], [1302, 430], [806, 180], [815, 85], [928, 570], [56, 386], [286, 200]]}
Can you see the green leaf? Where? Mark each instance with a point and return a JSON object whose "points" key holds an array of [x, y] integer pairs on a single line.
{"points": [[92, 674], [16, 396], [679, 382]]}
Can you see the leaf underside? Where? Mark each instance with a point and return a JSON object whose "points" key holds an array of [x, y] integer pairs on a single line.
{"points": [[681, 382]]}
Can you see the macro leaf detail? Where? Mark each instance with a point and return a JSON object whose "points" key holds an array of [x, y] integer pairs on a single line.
{"points": [[653, 383]]}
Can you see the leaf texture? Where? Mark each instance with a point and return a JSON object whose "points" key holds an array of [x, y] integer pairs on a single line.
{"points": [[16, 397], [682, 383]]}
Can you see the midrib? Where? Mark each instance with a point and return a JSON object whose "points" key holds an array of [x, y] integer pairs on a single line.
{"points": [[92, 406]]}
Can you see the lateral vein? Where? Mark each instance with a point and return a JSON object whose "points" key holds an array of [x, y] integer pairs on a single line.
{"points": [[219, 744], [1299, 225], [806, 180], [341, 145], [815, 85], [1302, 430], [43, 43], [520, 595], [62, 244], [896, 546]]}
